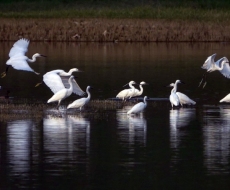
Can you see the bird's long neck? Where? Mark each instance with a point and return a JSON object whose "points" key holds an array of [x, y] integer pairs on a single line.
{"points": [[89, 95], [132, 87], [141, 89], [222, 65], [174, 88], [70, 89], [34, 57], [145, 102], [71, 71]]}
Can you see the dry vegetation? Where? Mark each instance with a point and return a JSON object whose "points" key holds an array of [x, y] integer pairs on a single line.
{"points": [[96, 109], [113, 30]]}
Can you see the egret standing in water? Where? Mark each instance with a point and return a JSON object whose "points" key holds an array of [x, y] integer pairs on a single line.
{"points": [[127, 93], [62, 94], [82, 101], [183, 99], [173, 98], [18, 60], [138, 108], [57, 80], [210, 65]]}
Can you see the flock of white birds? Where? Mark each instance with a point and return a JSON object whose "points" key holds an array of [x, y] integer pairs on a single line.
{"points": [[63, 84]]}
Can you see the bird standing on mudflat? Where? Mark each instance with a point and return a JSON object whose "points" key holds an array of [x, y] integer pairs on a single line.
{"points": [[63, 93], [79, 103], [183, 99], [139, 107], [127, 93]]}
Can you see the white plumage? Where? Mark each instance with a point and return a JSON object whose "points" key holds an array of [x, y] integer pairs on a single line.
{"points": [[173, 98], [127, 93], [221, 65], [62, 94], [139, 107], [183, 99], [81, 102], [139, 92], [18, 60], [226, 98], [57, 80], [209, 62]]}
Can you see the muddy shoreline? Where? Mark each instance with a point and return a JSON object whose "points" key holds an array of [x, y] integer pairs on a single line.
{"points": [[113, 30]]}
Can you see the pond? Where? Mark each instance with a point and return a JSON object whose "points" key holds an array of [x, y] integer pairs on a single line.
{"points": [[162, 148]]}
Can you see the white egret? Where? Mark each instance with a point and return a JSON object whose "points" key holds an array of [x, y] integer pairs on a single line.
{"points": [[221, 65], [139, 92], [127, 93], [183, 99], [139, 107], [226, 98], [57, 80], [174, 99], [79, 103], [18, 60], [63, 93]]}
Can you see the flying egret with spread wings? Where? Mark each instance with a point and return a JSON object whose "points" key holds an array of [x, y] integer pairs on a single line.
{"points": [[18, 60], [210, 65], [57, 80], [79, 103], [183, 99]]}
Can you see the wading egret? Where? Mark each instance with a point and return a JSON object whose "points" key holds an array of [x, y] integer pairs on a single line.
{"points": [[62, 94], [174, 99], [210, 65], [18, 60], [82, 101], [226, 98], [127, 93], [139, 92], [183, 99], [57, 80], [139, 107]]}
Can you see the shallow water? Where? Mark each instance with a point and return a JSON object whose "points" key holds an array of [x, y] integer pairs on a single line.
{"points": [[160, 149]]}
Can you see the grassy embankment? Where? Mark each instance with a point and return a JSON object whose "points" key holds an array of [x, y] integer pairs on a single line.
{"points": [[119, 20]]}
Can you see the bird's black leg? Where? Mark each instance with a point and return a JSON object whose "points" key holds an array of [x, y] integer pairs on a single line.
{"points": [[58, 105], [4, 73], [203, 79]]}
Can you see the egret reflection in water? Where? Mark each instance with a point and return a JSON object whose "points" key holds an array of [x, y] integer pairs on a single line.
{"points": [[216, 141], [66, 135], [179, 118], [131, 128], [19, 135]]}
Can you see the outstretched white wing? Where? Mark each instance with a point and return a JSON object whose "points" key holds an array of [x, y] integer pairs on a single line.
{"points": [[76, 88], [19, 48], [226, 69], [209, 62], [53, 81], [19, 63]]}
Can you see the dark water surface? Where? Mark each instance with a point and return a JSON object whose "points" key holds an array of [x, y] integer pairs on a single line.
{"points": [[183, 148]]}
